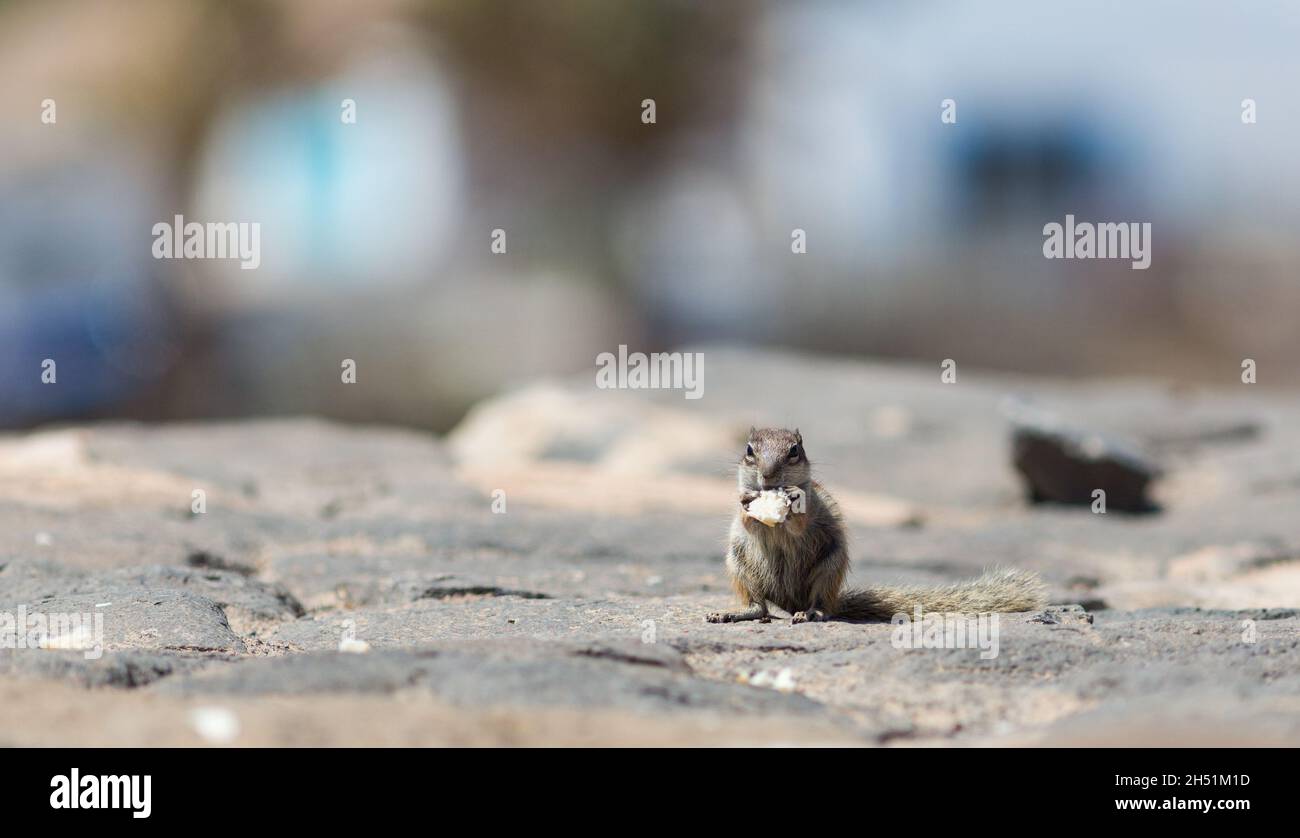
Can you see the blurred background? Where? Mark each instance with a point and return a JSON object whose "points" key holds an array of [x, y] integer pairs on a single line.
{"points": [[924, 239]]}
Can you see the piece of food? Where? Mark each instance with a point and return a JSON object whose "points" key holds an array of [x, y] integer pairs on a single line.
{"points": [[770, 507]]}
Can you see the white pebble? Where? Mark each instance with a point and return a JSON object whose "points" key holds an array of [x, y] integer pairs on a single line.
{"points": [[782, 681], [215, 725]]}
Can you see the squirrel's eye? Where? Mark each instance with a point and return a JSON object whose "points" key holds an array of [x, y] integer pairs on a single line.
{"points": [[749, 450], [794, 452]]}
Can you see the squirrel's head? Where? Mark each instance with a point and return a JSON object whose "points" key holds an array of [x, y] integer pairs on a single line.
{"points": [[773, 457]]}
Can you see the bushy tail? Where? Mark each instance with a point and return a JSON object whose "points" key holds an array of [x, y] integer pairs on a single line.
{"points": [[996, 590]]}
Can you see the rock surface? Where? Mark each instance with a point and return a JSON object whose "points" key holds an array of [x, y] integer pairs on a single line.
{"points": [[541, 576]]}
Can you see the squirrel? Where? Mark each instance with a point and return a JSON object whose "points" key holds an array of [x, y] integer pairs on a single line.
{"points": [[799, 565]]}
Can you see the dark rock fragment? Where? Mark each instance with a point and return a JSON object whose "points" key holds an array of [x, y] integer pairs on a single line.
{"points": [[1062, 465]]}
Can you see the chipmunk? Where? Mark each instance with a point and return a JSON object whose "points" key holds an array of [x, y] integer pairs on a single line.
{"points": [[799, 565]]}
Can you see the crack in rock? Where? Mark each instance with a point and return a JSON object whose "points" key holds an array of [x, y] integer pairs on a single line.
{"points": [[446, 592]]}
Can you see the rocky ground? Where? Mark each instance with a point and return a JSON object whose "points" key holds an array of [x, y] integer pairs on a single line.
{"points": [[541, 576]]}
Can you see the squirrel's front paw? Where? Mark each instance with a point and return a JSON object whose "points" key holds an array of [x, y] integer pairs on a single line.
{"points": [[812, 615]]}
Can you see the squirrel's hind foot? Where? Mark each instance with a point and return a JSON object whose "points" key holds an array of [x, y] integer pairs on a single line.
{"points": [[755, 613]]}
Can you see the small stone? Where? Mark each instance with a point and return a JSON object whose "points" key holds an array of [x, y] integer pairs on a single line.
{"points": [[215, 725], [781, 681]]}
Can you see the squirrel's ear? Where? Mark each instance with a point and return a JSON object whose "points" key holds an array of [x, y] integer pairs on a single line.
{"points": [[752, 431], [798, 436]]}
